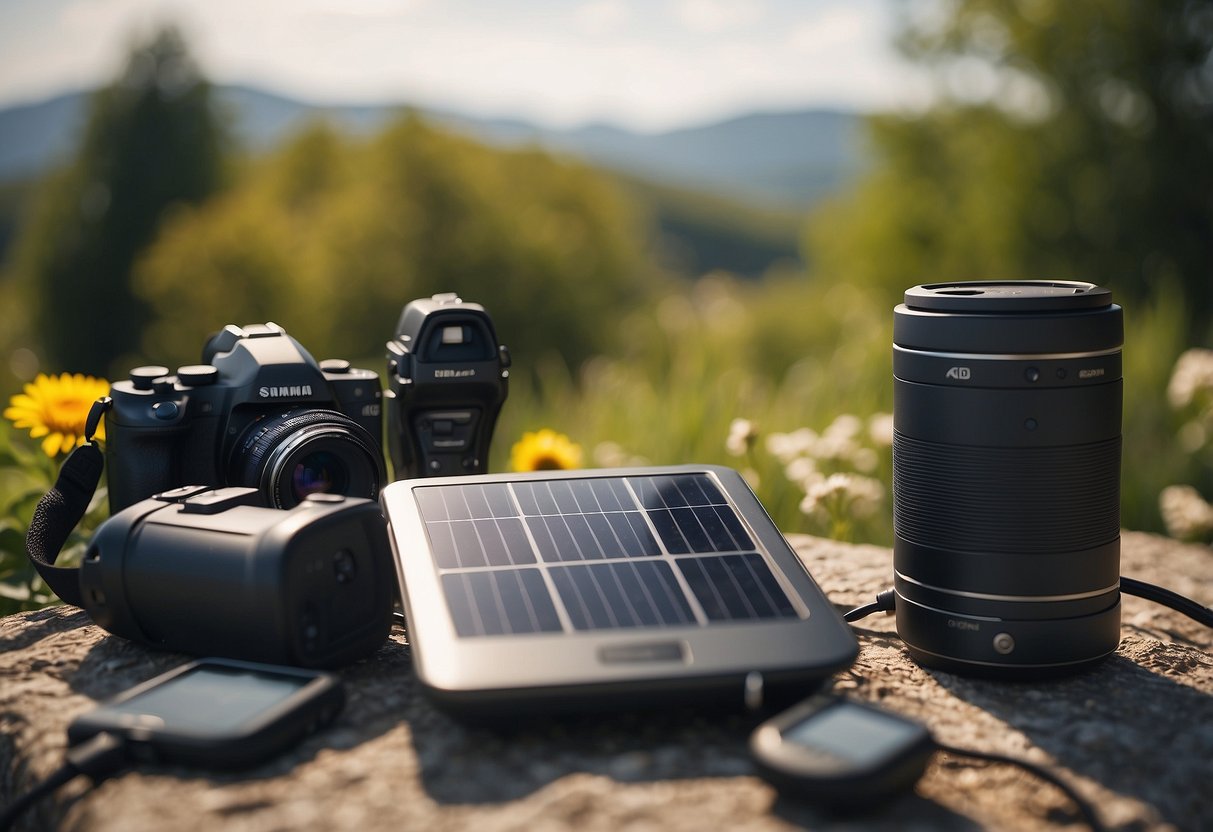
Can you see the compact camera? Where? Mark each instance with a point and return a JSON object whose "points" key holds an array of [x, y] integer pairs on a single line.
{"points": [[258, 412], [447, 380], [212, 573]]}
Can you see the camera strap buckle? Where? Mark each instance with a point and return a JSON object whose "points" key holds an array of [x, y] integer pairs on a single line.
{"points": [[62, 508]]}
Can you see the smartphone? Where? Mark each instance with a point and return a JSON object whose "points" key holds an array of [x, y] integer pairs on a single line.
{"points": [[216, 713]]}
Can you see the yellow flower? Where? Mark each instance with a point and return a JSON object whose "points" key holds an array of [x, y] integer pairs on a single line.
{"points": [[55, 408], [545, 450]]}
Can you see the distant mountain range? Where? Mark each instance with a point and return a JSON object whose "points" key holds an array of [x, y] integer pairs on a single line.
{"points": [[786, 159]]}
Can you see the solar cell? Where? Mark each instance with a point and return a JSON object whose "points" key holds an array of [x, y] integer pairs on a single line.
{"points": [[630, 594], [500, 602]]}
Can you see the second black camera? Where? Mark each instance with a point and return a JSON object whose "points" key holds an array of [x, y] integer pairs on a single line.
{"points": [[447, 380], [258, 412]]}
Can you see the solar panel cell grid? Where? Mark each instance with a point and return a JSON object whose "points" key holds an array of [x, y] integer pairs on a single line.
{"points": [[610, 552]]}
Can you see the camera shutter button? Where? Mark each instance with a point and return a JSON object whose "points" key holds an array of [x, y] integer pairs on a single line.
{"points": [[197, 375], [142, 377], [335, 365]]}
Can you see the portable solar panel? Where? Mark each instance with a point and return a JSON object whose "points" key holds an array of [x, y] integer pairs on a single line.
{"points": [[559, 588]]}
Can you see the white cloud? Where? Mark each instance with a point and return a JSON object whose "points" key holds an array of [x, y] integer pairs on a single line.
{"points": [[639, 64], [603, 17], [719, 15], [364, 8], [94, 14], [839, 27]]}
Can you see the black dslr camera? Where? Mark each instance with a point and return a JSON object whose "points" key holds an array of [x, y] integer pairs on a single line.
{"points": [[447, 380], [210, 572], [258, 412]]}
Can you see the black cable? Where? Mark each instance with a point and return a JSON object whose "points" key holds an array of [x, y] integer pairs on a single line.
{"points": [[21, 805], [1192, 609], [97, 758], [1085, 808], [885, 602]]}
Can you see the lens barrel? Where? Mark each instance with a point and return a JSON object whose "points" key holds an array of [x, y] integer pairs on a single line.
{"points": [[306, 451], [1006, 475]]}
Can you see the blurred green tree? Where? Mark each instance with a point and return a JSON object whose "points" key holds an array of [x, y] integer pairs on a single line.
{"points": [[330, 236], [1070, 140], [152, 142]]}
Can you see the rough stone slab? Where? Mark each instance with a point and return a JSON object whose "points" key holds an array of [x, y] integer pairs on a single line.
{"points": [[1135, 736]]}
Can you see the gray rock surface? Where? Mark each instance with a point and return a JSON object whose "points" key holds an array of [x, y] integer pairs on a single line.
{"points": [[1135, 736]]}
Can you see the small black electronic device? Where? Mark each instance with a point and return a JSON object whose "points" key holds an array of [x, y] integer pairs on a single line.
{"points": [[447, 380], [210, 573], [1006, 475], [840, 753], [215, 713], [571, 589], [258, 411]]}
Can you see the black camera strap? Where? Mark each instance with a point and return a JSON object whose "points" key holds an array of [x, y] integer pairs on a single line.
{"points": [[63, 507]]}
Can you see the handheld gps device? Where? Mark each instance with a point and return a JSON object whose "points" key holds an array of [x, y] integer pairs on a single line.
{"points": [[841, 753], [215, 713], [559, 589]]}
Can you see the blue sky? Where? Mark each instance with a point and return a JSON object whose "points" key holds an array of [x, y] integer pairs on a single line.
{"points": [[645, 64]]}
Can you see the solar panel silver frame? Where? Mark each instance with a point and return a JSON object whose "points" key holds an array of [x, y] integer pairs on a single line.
{"points": [[542, 670]]}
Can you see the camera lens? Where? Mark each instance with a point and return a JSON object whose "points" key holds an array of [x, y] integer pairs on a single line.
{"points": [[320, 471], [1006, 475], [307, 451]]}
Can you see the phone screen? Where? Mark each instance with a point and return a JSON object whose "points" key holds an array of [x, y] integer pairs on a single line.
{"points": [[212, 698]]}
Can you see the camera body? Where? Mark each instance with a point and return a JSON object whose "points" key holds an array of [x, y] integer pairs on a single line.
{"points": [[1006, 475], [447, 380], [258, 412], [211, 573]]}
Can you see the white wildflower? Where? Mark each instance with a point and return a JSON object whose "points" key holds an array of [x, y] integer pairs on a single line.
{"points": [[1193, 374], [880, 429], [866, 496], [819, 492], [803, 470], [844, 426], [835, 447], [865, 459], [1185, 513], [860, 496], [787, 446], [742, 436]]}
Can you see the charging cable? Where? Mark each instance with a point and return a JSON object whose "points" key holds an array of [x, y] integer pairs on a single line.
{"points": [[1192, 609], [98, 758], [1084, 807], [887, 602]]}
